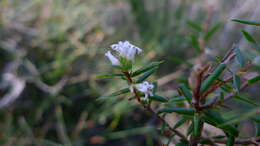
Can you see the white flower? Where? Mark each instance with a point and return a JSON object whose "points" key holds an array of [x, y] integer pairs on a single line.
{"points": [[146, 88], [126, 50], [112, 58]]}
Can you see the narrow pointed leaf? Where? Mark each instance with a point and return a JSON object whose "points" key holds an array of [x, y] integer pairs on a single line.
{"points": [[214, 76], [254, 80], [248, 37], [179, 110], [146, 75], [245, 100], [190, 129], [240, 117], [117, 93], [179, 123], [197, 125], [158, 98], [214, 118], [146, 68], [257, 23], [178, 99], [186, 92], [109, 75]]}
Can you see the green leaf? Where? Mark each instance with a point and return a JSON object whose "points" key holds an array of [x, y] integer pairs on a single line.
{"points": [[240, 117], [236, 82], [109, 75], [257, 23], [179, 123], [186, 92], [146, 68], [212, 31], [190, 129], [117, 93], [245, 100], [194, 26], [248, 37], [214, 118], [254, 80], [158, 98], [178, 99], [146, 75], [214, 76], [179, 110]]}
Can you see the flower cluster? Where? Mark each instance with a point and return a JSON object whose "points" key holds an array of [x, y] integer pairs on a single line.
{"points": [[127, 51], [123, 49], [145, 88]]}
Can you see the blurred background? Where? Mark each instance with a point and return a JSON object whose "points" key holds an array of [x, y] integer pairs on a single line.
{"points": [[52, 50]]}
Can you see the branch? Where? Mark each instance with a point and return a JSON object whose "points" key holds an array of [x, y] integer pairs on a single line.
{"points": [[148, 108]]}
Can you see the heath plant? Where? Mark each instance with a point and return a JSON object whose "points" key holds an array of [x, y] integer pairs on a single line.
{"points": [[200, 100]]}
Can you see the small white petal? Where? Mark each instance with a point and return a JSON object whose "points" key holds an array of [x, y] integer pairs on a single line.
{"points": [[112, 58]]}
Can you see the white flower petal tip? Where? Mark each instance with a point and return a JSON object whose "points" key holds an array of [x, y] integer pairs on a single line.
{"points": [[112, 58], [126, 49]]}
